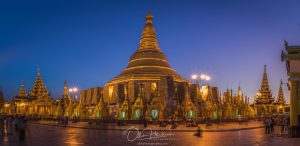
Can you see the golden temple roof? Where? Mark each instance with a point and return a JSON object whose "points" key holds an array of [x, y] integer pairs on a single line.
{"points": [[38, 89], [148, 62], [22, 91]]}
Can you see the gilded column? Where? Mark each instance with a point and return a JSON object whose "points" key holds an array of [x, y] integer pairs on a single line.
{"points": [[294, 103]]}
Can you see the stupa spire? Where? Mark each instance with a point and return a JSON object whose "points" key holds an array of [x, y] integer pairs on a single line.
{"points": [[22, 91], [148, 40], [265, 95], [239, 90], [66, 94], [38, 73], [38, 89], [280, 98]]}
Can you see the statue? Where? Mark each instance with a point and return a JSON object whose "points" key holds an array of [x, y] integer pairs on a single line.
{"points": [[286, 44]]}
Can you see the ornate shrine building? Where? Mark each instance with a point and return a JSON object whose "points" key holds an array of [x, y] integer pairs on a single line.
{"points": [[264, 103], [37, 102]]}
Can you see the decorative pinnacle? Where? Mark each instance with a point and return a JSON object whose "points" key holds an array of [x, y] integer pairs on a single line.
{"points": [[286, 44], [65, 83], [39, 70], [265, 68], [149, 17]]}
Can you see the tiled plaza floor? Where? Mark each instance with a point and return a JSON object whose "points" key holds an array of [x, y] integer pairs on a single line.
{"points": [[213, 128], [44, 135]]}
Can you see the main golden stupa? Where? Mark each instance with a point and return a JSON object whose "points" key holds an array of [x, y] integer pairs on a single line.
{"points": [[147, 81], [148, 62]]}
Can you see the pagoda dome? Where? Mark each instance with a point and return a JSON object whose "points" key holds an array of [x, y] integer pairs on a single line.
{"points": [[148, 62]]}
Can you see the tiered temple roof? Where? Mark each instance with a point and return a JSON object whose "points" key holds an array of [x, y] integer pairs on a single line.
{"points": [[38, 89], [280, 99], [22, 91], [148, 62], [265, 94]]}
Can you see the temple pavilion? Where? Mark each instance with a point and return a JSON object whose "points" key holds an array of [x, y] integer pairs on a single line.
{"points": [[264, 103], [37, 102]]}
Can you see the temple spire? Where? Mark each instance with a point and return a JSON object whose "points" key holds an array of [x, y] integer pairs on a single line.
{"points": [[148, 40], [38, 73], [22, 91], [66, 94], [239, 90], [280, 99], [38, 89], [265, 95], [149, 17]]}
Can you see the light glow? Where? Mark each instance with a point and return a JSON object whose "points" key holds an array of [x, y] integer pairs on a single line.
{"points": [[194, 76]]}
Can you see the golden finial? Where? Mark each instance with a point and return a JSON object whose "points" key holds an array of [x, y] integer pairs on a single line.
{"points": [[149, 17], [39, 70]]}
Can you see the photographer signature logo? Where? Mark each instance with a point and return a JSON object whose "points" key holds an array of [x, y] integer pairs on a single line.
{"points": [[134, 134]]}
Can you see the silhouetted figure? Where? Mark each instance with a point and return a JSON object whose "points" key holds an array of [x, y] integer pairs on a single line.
{"points": [[272, 125], [1, 127], [199, 132], [268, 122], [21, 127], [9, 121]]}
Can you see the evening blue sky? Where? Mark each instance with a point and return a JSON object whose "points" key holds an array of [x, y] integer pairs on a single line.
{"points": [[88, 43]]}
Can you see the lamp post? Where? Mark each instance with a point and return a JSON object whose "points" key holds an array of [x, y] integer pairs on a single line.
{"points": [[201, 77], [75, 91], [197, 78]]}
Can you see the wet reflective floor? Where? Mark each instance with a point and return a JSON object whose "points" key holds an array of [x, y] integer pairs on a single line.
{"points": [[43, 135]]}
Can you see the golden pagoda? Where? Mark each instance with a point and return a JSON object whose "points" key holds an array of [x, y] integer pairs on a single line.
{"points": [[148, 62], [22, 103], [148, 71], [42, 102], [66, 102], [280, 105], [38, 89], [280, 99], [265, 94], [264, 103]]}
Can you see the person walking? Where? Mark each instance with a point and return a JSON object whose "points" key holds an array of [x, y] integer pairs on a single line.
{"points": [[282, 121], [268, 122], [9, 121], [286, 125], [199, 132], [272, 124], [1, 127], [21, 127], [266, 125]]}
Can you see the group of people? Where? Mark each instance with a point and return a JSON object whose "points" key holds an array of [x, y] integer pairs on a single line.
{"points": [[282, 122], [10, 126]]}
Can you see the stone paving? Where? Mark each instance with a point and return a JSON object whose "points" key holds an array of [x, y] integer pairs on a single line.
{"points": [[214, 128], [44, 135]]}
